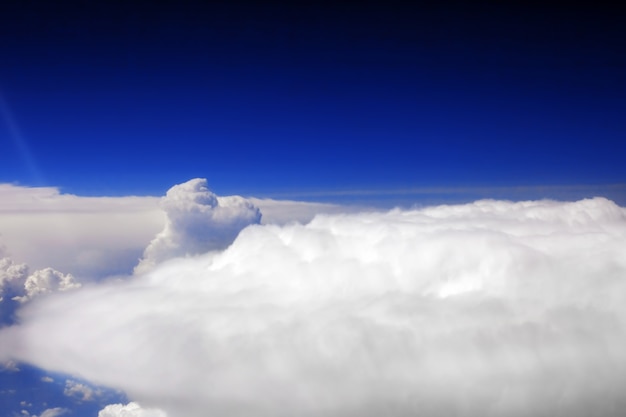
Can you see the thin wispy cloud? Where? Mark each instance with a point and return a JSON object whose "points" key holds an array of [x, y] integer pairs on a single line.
{"points": [[614, 191]]}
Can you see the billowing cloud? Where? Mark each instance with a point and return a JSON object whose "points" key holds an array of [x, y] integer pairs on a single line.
{"points": [[18, 284], [12, 278], [198, 221], [45, 281], [129, 410], [95, 237], [485, 309]]}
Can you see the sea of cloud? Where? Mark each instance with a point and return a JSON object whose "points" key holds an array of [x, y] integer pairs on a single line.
{"points": [[484, 309]]}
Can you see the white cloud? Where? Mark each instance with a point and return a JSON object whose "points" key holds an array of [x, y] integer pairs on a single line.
{"points": [[50, 412], [80, 391], [90, 237], [129, 410], [12, 277], [197, 221], [95, 237], [46, 379], [54, 412], [485, 309], [17, 283], [47, 280]]}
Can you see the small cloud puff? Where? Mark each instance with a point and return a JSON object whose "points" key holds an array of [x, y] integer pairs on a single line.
{"points": [[197, 221], [50, 412], [129, 410], [80, 391]]}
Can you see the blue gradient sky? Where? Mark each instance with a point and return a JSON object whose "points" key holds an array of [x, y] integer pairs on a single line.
{"points": [[279, 100], [369, 103]]}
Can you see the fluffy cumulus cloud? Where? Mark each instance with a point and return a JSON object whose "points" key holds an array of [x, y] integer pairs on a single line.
{"points": [[485, 309], [18, 284], [12, 278], [197, 221], [45, 281]]}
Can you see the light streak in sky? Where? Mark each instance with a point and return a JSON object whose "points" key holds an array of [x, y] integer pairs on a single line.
{"points": [[20, 143]]}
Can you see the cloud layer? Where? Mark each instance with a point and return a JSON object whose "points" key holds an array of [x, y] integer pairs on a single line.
{"points": [[89, 237], [95, 237], [485, 309]]}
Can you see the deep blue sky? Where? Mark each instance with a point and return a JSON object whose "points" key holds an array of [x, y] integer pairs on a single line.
{"points": [[133, 97]]}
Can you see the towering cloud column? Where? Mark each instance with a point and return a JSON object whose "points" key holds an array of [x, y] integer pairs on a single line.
{"points": [[197, 221]]}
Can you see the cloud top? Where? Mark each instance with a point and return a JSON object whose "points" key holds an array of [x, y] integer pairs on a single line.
{"points": [[485, 309], [198, 221]]}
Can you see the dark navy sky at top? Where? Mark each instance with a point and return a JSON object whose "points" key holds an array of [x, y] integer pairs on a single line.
{"points": [[132, 97]]}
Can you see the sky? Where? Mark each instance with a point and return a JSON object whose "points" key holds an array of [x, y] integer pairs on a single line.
{"points": [[282, 99], [311, 209]]}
